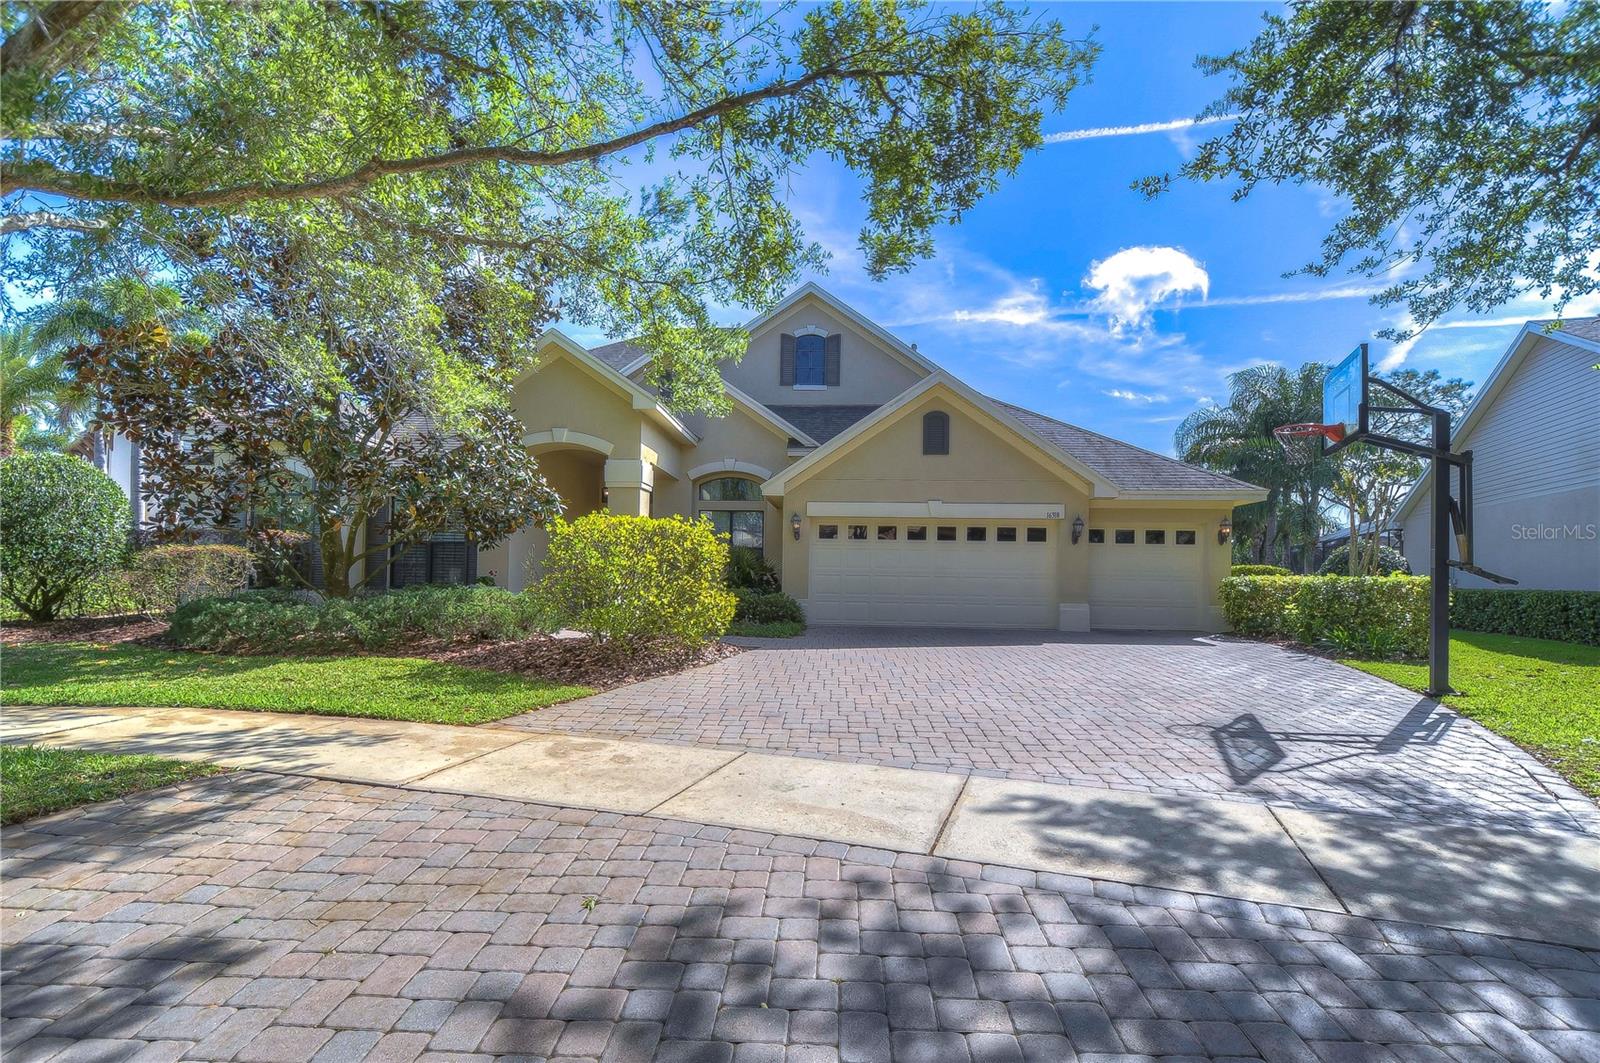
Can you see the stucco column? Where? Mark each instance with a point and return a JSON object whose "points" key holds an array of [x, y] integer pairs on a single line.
{"points": [[628, 486]]}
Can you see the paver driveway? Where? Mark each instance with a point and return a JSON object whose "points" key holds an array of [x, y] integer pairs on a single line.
{"points": [[274, 920], [1164, 714]]}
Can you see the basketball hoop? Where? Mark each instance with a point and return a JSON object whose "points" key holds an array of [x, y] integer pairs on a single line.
{"points": [[1302, 443]]}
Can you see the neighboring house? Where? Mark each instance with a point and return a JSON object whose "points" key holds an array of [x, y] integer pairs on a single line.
{"points": [[885, 490], [1534, 433]]}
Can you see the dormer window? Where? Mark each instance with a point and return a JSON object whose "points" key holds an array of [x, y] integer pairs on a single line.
{"points": [[810, 361]]}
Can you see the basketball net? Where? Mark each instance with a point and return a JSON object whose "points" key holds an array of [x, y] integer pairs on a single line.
{"points": [[1302, 443]]}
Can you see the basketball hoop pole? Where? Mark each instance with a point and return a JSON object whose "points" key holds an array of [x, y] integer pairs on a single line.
{"points": [[1439, 573]]}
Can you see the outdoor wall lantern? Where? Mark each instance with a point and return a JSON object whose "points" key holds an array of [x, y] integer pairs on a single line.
{"points": [[1224, 531], [1077, 529], [794, 524]]}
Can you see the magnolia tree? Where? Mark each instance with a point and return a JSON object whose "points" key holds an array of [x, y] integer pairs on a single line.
{"points": [[227, 438]]}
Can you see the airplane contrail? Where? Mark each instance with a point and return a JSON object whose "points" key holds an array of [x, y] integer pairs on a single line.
{"points": [[1134, 130]]}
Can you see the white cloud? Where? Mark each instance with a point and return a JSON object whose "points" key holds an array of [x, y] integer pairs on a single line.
{"points": [[1134, 280], [1021, 306], [1134, 130], [1134, 396]]}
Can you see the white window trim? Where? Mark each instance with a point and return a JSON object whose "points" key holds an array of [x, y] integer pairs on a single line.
{"points": [[810, 387]]}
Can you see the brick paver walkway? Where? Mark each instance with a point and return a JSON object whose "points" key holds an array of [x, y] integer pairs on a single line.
{"points": [[1163, 714], [266, 919]]}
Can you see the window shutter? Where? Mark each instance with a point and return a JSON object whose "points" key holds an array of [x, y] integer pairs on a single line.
{"points": [[786, 361], [831, 362], [377, 535]]}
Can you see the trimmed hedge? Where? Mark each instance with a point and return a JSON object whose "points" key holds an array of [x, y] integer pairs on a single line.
{"points": [[632, 580], [755, 607], [1259, 570], [1377, 616], [1565, 616], [164, 577], [277, 621]]}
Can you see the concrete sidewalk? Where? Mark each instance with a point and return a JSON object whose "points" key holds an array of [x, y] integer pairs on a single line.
{"points": [[1544, 886]]}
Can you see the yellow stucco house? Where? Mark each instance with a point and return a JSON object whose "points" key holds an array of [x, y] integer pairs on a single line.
{"points": [[885, 490]]}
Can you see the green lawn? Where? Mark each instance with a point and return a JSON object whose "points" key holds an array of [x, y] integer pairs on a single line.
{"points": [[777, 629], [35, 781], [390, 688], [1543, 695]]}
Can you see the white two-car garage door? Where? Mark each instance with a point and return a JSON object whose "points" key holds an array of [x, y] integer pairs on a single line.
{"points": [[963, 574], [1145, 578]]}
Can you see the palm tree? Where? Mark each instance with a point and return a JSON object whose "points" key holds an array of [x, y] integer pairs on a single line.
{"points": [[35, 388], [111, 314], [1237, 439]]}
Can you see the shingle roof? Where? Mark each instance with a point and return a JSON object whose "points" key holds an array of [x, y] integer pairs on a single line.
{"points": [[1125, 465], [1586, 328], [619, 355], [822, 423]]}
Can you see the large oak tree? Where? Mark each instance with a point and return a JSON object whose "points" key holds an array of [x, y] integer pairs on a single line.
{"points": [[1462, 137], [620, 165]]}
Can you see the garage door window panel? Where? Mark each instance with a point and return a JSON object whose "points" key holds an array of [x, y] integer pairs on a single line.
{"points": [[947, 534], [1124, 536], [1005, 535], [1155, 537], [827, 531], [1185, 538], [917, 533], [1037, 535], [888, 532], [858, 531], [1097, 535], [977, 535]]}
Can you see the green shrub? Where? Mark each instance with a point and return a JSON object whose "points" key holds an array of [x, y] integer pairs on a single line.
{"points": [[1259, 605], [1380, 615], [1259, 570], [277, 621], [749, 569], [1565, 616], [638, 579], [1390, 562], [63, 530], [164, 577], [757, 608]]}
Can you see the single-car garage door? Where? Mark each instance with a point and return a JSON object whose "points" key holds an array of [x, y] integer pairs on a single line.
{"points": [[1145, 578], [962, 574]]}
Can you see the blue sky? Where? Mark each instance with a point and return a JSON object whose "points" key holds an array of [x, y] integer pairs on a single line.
{"points": [[1069, 293]]}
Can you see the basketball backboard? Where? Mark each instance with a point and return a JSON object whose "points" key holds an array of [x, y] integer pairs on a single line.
{"points": [[1344, 397]]}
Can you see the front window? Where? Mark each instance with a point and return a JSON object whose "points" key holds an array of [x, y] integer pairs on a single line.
{"points": [[733, 506], [810, 360], [730, 489]]}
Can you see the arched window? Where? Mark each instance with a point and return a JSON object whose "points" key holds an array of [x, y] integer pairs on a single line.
{"points": [[734, 506], [936, 432]]}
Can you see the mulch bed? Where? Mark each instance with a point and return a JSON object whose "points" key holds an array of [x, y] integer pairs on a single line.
{"points": [[576, 660], [573, 660], [104, 629]]}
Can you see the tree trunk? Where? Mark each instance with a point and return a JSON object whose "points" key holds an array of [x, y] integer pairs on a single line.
{"points": [[1269, 536], [335, 564], [8, 439]]}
